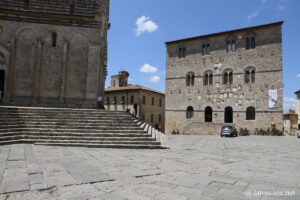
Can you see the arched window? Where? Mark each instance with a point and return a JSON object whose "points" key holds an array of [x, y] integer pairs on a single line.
{"points": [[208, 114], [72, 8], [208, 78], [205, 49], [27, 2], [54, 39], [231, 46], [250, 113], [250, 75], [250, 43], [189, 112], [190, 79], [227, 77], [228, 115]]}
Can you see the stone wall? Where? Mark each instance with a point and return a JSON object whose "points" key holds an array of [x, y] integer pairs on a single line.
{"points": [[266, 59], [67, 69]]}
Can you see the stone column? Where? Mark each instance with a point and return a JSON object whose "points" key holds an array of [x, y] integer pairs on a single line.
{"points": [[93, 73], [64, 70], [11, 72], [38, 71]]}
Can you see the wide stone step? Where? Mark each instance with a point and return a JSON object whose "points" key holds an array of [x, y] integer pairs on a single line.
{"points": [[5, 116], [72, 137], [69, 126], [109, 122], [74, 128], [73, 134], [117, 146], [68, 129]]}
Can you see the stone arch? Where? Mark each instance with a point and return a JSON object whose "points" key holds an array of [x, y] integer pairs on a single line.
{"points": [[4, 62], [25, 62], [52, 65], [77, 67]]}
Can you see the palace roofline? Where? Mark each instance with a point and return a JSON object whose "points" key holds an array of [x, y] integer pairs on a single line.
{"points": [[131, 87], [226, 32]]}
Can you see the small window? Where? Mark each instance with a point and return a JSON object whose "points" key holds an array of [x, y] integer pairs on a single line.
{"points": [[247, 44], [190, 112], [205, 49], [227, 77], [54, 39], [182, 52], [123, 100], [132, 99], [250, 113], [152, 118], [115, 100], [159, 117], [250, 43], [152, 101], [208, 78], [27, 4], [144, 100], [208, 114], [190, 79], [250, 75], [231, 46], [72, 8], [160, 102], [253, 45], [107, 100]]}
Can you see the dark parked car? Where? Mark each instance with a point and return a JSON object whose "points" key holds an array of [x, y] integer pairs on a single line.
{"points": [[229, 130]]}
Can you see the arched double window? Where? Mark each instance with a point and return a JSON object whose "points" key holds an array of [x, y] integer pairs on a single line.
{"points": [[250, 113], [208, 78], [231, 46], [190, 79], [250, 75], [205, 49], [208, 114], [227, 77], [189, 112]]}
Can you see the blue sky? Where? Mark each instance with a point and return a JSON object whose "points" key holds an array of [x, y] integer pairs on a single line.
{"points": [[140, 28]]}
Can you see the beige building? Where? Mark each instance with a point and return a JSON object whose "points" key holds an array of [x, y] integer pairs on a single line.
{"points": [[228, 77], [298, 107], [290, 123], [53, 53], [144, 103]]}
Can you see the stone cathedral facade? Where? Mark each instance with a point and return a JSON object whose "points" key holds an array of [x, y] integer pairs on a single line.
{"points": [[53, 52], [229, 77]]}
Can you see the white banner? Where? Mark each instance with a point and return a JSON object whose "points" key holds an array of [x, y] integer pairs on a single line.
{"points": [[273, 99]]}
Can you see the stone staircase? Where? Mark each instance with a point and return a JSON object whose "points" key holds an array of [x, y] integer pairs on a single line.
{"points": [[76, 127]]}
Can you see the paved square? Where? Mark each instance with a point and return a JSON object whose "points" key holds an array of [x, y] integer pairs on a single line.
{"points": [[195, 167]]}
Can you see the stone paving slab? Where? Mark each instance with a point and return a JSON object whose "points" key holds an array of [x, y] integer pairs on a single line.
{"points": [[195, 167]]}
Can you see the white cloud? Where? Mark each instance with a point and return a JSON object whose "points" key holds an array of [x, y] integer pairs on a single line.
{"points": [[154, 79], [252, 15], [298, 75], [144, 24], [146, 68], [281, 7], [289, 103]]}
